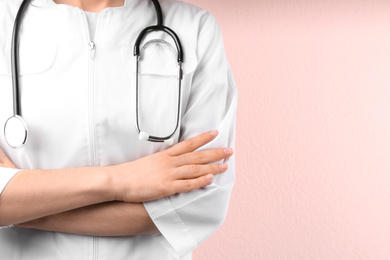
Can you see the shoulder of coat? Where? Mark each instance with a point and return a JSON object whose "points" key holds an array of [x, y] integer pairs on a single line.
{"points": [[183, 7], [8, 11]]}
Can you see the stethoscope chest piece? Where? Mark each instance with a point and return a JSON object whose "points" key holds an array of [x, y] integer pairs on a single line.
{"points": [[15, 132]]}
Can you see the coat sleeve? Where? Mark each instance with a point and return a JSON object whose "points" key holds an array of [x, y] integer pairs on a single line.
{"points": [[6, 175], [186, 220]]}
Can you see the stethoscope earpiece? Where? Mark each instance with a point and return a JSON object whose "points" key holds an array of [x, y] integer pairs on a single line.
{"points": [[169, 141], [15, 132], [143, 136]]}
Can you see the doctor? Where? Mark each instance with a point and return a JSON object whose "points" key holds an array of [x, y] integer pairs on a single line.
{"points": [[84, 186]]}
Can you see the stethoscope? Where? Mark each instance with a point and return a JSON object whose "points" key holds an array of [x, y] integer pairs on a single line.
{"points": [[15, 128]]}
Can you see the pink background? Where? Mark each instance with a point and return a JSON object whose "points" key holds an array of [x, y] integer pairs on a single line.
{"points": [[313, 130]]}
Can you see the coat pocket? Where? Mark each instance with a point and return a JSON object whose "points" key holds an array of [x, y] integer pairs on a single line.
{"points": [[158, 84], [34, 58]]}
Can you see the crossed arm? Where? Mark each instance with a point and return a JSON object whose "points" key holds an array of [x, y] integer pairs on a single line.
{"points": [[91, 207], [104, 219]]}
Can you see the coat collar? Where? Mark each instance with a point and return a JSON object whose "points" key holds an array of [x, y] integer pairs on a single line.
{"points": [[51, 3]]}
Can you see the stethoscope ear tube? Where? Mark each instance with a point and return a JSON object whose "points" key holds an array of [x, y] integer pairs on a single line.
{"points": [[180, 58], [159, 27], [156, 28]]}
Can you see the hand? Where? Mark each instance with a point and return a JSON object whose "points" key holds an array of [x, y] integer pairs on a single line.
{"points": [[5, 161], [175, 170]]}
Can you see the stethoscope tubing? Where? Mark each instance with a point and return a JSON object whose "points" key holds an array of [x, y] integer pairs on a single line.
{"points": [[16, 74], [180, 58], [155, 28], [15, 58]]}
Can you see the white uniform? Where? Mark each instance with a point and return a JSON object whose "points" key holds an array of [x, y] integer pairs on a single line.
{"points": [[79, 106]]}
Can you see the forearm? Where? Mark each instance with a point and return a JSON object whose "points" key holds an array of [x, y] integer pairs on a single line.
{"points": [[105, 219], [33, 194]]}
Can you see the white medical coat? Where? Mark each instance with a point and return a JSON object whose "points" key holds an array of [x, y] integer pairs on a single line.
{"points": [[79, 106]]}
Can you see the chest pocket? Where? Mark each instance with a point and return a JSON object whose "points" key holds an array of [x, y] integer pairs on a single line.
{"points": [[34, 58], [158, 84]]}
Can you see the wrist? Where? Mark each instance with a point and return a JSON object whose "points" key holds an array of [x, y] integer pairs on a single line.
{"points": [[106, 185], [113, 183]]}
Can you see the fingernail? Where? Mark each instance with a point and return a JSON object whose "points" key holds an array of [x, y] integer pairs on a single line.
{"points": [[214, 133], [228, 150], [209, 176], [223, 166]]}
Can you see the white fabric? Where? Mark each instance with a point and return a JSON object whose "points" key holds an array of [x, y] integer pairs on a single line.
{"points": [[78, 105], [92, 19], [3, 227], [6, 175]]}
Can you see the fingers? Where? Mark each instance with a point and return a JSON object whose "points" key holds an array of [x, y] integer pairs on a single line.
{"points": [[195, 171], [203, 157], [192, 177], [192, 184], [192, 144]]}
